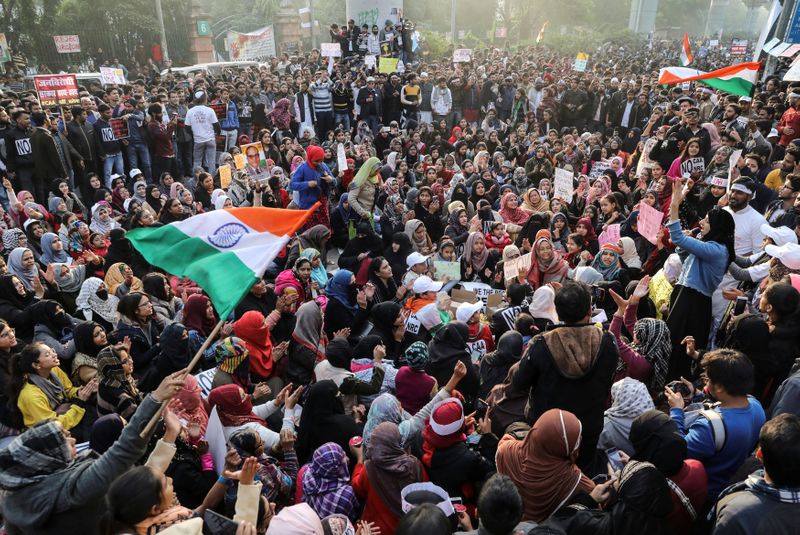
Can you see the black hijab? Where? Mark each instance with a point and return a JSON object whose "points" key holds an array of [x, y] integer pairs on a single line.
{"points": [[722, 230], [174, 349], [450, 342], [339, 353], [121, 250], [531, 227], [324, 420], [57, 322], [656, 439], [366, 345], [398, 260], [9, 295], [84, 338], [105, 431]]}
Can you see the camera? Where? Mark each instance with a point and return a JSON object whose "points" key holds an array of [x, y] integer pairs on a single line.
{"points": [[677, 387]]}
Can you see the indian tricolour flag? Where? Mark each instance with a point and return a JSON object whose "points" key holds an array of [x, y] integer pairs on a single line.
{"points": [[737, 79], [224, 251], [686, 51]]}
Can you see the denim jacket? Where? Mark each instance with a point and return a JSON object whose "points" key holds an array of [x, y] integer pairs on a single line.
{"points": [[705, 263]]}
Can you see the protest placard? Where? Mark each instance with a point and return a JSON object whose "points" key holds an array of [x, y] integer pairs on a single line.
{"points": [[610, 234], [388, 65], [369, 61], [57, 89], [447, 269], [649, 222], [5, 52], [239, 161], [692, 165], [330, 50], [341, 157], [219, 109], [581, 60], [562, 185], [511, 268], [67, 44], [112, 76], [482, 290], [254, 156], [733, 171], [462, 55], [119, 127], [225, 176]]}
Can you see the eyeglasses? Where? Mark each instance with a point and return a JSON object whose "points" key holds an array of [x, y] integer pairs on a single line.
{"points": [[146, 303]]}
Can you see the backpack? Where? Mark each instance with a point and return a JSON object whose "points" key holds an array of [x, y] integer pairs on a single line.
{"points": [[711, 413]]}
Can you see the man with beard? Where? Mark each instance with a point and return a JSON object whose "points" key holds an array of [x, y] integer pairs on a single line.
{"points": [[598, 108], [789, 125], [535, 94], [572, 105], [775, 179], [705, 106], [781, 211], [690, 127]]}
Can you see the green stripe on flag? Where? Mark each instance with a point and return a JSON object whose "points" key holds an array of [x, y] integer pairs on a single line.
{"points": [[224, 277], [735, 86]]}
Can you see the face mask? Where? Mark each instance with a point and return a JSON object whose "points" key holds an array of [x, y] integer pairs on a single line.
{"points": [[102, 294]]}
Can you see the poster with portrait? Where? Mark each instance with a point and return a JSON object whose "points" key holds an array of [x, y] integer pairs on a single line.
{"points": [[254, 157]]}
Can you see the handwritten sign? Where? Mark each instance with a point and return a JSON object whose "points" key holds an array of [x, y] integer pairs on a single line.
{"points": [[225, 176], [462, 55], [388, 65], [112, 76], [330, 50], [692, 165], [610, 234], [341, 157], [581, 60], [57, 89], [239, 161], [482, 290], [477, 350], [67, 44], [511, 268], [447, 269], [562, 185], [413, 324], [649, 222], [120, 128], [369, 61]]}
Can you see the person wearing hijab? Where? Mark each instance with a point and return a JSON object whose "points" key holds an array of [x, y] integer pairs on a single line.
{"points": [[21, 263], [337, 367], [457, 229], [121, 250], [607, 264], [493, 368], [396, 253], [254, 330], [546, 265], [236, 411], [656, 439], [362, 193], [513, 216], [323, 420], [543, 309], [341, 219], [630, 257], [190, 406], [586, 229], [306, 347], [102, 223], [418, 234], [543, 464], [316, 238], [90, 339], [117, 391], [53, 250], [55, 328], [533, 202], [478, 262], [642, 504], [378, 482], [296, 281], [629, 399], [360, 250], [311, 182], [233, 367], [199, 318], [105, 431], [120, 280], [318, 273], [326, 483], [344, 310], [18, 305], [448, 347], [167, 308]]}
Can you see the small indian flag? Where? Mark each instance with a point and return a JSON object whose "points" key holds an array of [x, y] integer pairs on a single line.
{"points": [[541, 32], [737, 79], [686, 52], [224, 251]]}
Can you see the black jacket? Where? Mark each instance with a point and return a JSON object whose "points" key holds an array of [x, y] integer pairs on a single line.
{"points": [[47, 164], [84, 140], [570, 367], [19, 149]]}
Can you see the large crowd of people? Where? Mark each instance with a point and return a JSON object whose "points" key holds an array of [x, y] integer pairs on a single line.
{"points": [[531, 300]]}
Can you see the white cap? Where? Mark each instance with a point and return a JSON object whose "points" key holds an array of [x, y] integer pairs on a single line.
{"points": [[466, 310], [116, 176], [773, 133], [370, 79], [780, 235], [745, 99], [135, 172], [198, 95], [426, 284], [415, 258], [788, 254], [423, 74]]}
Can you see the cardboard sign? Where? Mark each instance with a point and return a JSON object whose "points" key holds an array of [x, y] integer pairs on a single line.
{"points": [[511, 267], [112, 76], [610, 235], [238, 161], [57, 89], [225, 176], [388, 65], [477, 350], [120, 128], [483, 291], [330, 50], [692, 165], [462, 55], [649, 222], [447, 269], [581, 60], [220, 108], [562, 184], [67, 44]]}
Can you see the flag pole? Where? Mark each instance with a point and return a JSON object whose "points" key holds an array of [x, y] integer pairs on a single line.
{"points": [[154, 420]]}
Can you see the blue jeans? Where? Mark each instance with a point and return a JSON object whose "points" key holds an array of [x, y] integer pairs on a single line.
{"points": [[342, 119], [139, 157], [113, 162], [207, 150]]}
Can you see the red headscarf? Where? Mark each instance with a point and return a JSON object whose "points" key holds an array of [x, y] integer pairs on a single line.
{"points": [[253, 330], [189, 404], [454, 135], [314, 152], [233, 411], [194, 315], [591, 235], [517, 216]]}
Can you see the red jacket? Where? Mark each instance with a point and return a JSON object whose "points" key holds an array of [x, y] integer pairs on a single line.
{"points": [[374, 508], [791, 119]]}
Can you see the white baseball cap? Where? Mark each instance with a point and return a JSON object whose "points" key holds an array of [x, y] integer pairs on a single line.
{"points": [[415, 258], [116, 176], [780, 235], [426, 284], [466, 310], [788, 254], [134, 173]]}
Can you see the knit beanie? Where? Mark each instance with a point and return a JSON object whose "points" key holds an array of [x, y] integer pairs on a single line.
{"points": [[417, 355]]}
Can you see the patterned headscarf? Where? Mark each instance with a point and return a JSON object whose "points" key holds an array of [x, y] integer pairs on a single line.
{"points": [[33, 456], [417, 355], [653, 343], [230, 354], [326, 483]]}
